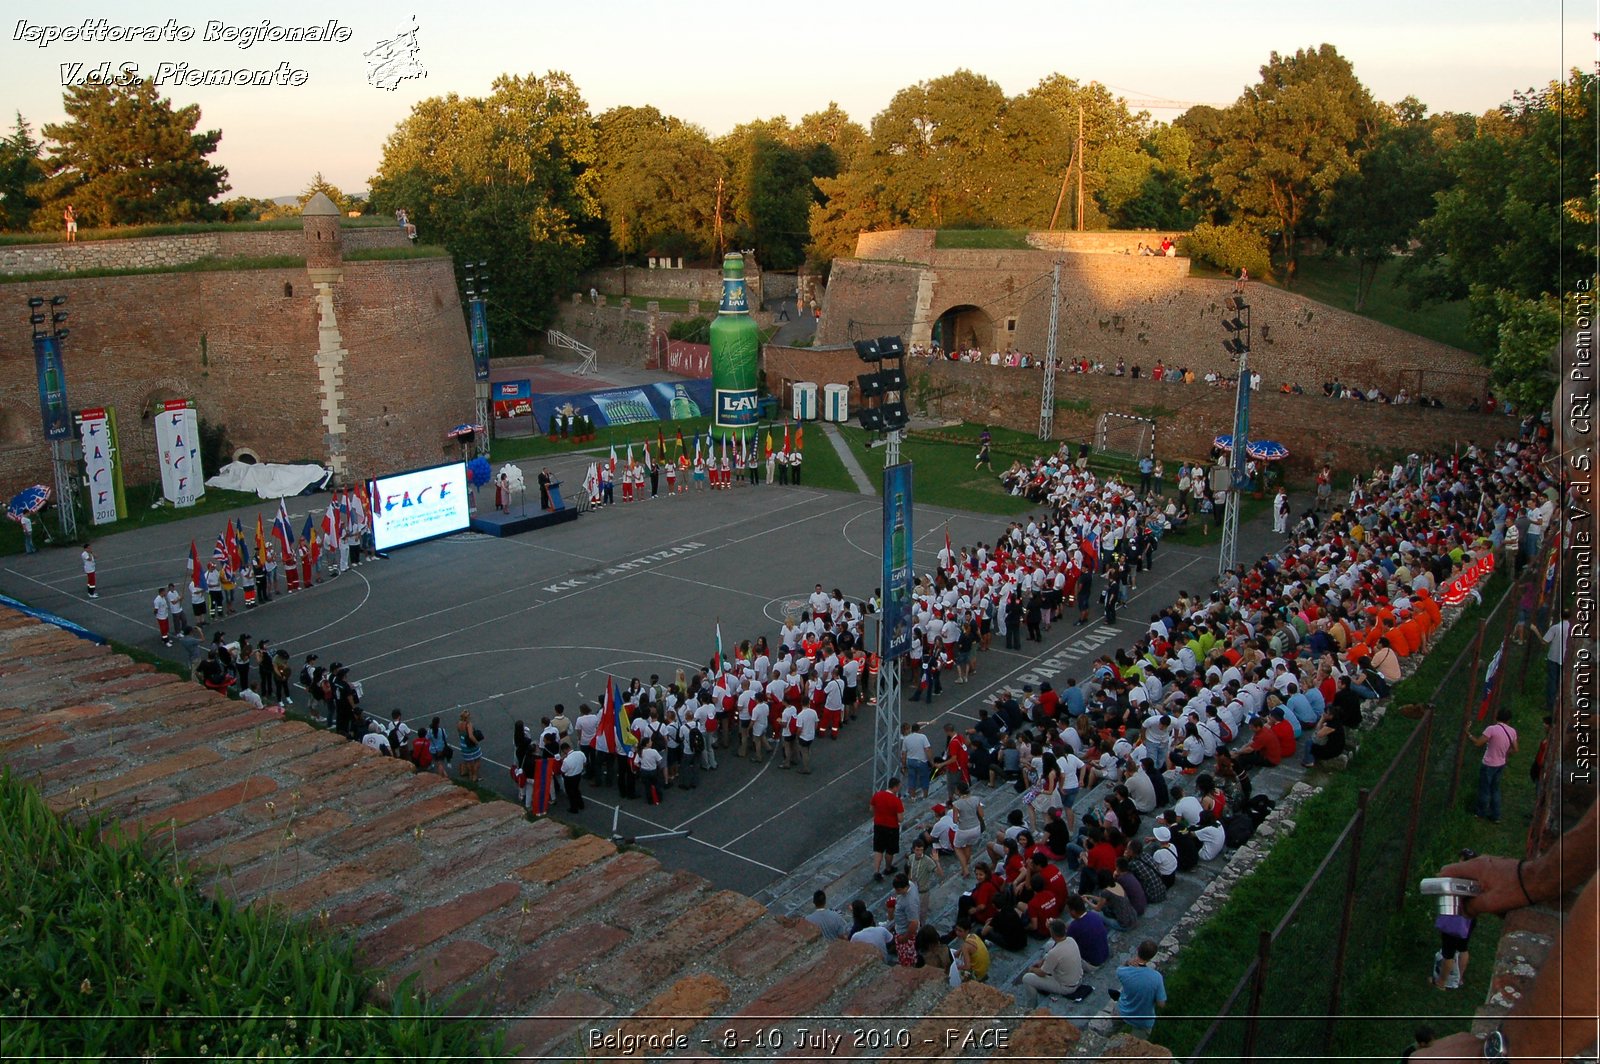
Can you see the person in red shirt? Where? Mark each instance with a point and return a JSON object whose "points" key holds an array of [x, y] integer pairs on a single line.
{"points": [[1263, 751], [1049, 701], [1043, 906], [887, 810], [983, 893], [1054, 881], [955, 762], [1285, 733]]}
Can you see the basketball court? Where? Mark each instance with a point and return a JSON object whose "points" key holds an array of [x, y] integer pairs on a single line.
{"points": [[509, 627]]}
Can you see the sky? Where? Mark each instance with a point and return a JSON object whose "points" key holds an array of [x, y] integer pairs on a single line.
{"points": [[718, 65]]}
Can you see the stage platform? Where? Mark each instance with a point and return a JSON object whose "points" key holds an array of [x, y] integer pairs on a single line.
{"points": [[516, 522]]}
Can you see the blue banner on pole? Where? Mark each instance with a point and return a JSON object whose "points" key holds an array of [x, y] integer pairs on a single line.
{"points": [[1241, 431], [898, 572], [477, 314], [53, 412]]}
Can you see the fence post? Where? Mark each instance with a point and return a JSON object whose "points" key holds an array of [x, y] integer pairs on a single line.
{"points": [[1352, 879], [1426, 724], [1258, 989], [1466, 713]]}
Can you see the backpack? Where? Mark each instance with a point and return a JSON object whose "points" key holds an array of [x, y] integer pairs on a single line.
{"points": [[1260, 807], [697, 740], [1238, 828]]}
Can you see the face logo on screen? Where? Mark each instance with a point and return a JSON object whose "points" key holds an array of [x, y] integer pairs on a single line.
{"points": [[418, 505], [389, 502]]}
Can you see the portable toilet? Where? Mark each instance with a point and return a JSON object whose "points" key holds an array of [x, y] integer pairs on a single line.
{"points": [[805, 401], [836, 402]]}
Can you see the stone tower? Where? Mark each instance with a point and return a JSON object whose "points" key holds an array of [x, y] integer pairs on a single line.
{"points": [[319, 220], [325, 264]]}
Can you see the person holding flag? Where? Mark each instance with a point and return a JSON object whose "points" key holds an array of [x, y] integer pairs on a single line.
{"points": [[700, 474], [794, 458], [614, 740], [283, 533], [306, 555], [783, 458]]}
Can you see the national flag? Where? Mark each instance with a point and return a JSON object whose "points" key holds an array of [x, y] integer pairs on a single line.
{"points": [[261, 538], [724, 449], [1091, 551], [800, 438], [219, 552], [283, 532], [541, 785], [314, 542], [786, 438], [330, 528], [1489, 682], [769, 443], [697, 450], [615, 734], [613, 460], [949, 552], [591, 480], [716, 664], [630, 456], [680, 443], [232, 542], [194, 565], [661, 442], [306, 532]]}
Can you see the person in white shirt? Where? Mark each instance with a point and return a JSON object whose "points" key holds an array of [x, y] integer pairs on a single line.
{"points": [[376, 740], [1188, 807], [573, 763], [806, 721], [1555, 638], [89, 569], [163, 614], [1213, 840]]}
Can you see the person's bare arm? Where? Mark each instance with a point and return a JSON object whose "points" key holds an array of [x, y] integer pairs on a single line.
{"points": [[1563, 867]]}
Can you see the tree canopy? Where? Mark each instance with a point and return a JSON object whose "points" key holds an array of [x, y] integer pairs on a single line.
{"points": [[509, 179], [126, 156]]}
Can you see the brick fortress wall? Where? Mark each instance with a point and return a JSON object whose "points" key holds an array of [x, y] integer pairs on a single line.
{"points": [[241, 344], [1352, 435], [155, 251], [1131, 307]]}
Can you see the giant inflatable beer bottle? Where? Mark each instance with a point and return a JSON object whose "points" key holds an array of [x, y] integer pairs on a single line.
{"points": [[735, 351]]}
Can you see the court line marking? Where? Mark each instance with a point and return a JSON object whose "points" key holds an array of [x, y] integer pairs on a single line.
{"points": [[706, 583], [520, 589], [550, 601], [364, 598], [87, 601]]}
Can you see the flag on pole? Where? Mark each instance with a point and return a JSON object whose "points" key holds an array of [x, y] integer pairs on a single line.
{"points": [[630, 456], [194, 565], [769, 443], [786, 438], [1488, 682], [283, 532], [949, 552], [615, 734], [219, 551], [233, 542], [724, 448], [799, 437], [305, 533], [330, 527], [613, 460], [680, 443], [591, 480], [716, 666], [261, 538], [661, 443]]}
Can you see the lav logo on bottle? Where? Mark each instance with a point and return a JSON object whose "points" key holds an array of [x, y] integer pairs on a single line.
{"points": [[735, 351]]}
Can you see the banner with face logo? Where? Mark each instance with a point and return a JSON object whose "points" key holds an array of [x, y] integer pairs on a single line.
{"points": [[102, 467], [178, 449]]}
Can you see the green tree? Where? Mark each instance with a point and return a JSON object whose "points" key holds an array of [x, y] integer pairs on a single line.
{"points": [[656, 179], [1376, 209], [329, 189], [1519, 213], [508, 179], [248, 209], [125, 156], [1288, 141], [1229, 248], [21, 171]]}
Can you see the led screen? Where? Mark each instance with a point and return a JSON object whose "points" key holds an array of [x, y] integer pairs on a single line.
{"points": [[418, 505]]}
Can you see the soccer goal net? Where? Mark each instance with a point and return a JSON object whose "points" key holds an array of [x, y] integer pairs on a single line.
{"points": [[1125, 434]]}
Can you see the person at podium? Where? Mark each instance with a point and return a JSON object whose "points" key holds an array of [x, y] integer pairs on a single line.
{"points": [[544, 488]]}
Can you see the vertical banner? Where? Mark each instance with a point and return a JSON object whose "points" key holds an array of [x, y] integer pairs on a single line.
{"points": [[96, 428], [178, 445], [898, 574], [477, 315], [53, 412]]}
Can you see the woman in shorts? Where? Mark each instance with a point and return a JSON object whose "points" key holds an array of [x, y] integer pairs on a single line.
{"points": [[471, 753]]}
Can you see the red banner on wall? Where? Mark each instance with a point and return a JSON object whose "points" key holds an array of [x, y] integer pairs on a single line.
{"points": [[688, 360]]}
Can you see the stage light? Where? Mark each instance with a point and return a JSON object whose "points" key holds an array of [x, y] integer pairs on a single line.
{"points": [[868, 351]]}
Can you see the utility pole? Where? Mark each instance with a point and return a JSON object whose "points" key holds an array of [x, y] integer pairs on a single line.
{"points": [[1078, 154], [1047, 394], [719, 218]]}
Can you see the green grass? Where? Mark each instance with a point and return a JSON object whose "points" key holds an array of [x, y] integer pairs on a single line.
{"points": [[666, 304], [1210, 964], [209, 265], [109, 948], [140, 515], [1332, 280], [129, 232], [983, 239]]}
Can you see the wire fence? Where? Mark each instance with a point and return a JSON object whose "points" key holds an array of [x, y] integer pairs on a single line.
{"points": [[1292, 995]]}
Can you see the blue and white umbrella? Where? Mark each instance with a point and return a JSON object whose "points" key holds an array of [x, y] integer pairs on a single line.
{"points": [[28, 501], [1223, 443], [463, 430], [1266, 450]]}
